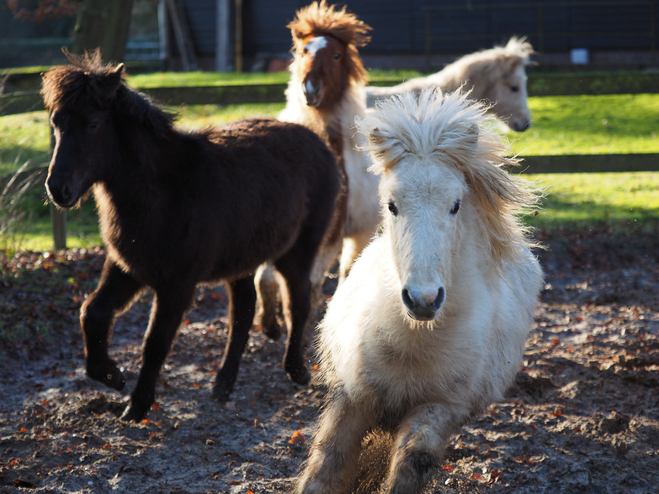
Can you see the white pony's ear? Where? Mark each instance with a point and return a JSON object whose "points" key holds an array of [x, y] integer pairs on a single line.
{"points": [[376, 141], [375, 137]]}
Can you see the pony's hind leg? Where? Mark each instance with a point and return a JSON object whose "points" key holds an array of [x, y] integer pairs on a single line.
{"points": [[267, 289], [115, 291], [169, 305], [242, 297], [296, 302], [420, 445]]}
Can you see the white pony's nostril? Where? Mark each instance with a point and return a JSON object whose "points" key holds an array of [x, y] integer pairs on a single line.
{"points": [[407, 299], [439, 300]]}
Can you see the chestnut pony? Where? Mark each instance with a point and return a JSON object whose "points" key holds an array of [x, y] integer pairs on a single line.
{"points": [[180, 208], [325, 94]]}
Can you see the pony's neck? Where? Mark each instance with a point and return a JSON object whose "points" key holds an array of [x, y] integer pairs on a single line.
{"points": [[332, 124]]}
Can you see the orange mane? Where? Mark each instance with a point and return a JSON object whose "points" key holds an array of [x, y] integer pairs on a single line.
{"points": [[319, 19]]}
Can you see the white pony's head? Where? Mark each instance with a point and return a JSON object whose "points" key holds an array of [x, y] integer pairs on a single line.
{"points": [[441, 181], [498, 76]]}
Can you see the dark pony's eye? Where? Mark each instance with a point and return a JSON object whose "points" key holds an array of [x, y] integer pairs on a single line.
{"points": [[455, 208], [337, 55], [393, 209], [514, 89]]}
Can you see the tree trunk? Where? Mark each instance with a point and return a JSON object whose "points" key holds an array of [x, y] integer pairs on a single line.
{"points": [[103, 24]]}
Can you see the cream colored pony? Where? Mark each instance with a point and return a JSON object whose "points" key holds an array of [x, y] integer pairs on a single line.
{"points": [[325, 93], [429, 327], [496, 76]]}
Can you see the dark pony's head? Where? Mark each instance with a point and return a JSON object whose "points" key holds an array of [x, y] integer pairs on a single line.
{"points": [[91, 108], [325, 41]]}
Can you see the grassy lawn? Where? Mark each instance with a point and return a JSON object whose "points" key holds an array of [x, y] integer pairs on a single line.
{"points": [[562, 125], [579, 199], [179, 79], [604, 124]]}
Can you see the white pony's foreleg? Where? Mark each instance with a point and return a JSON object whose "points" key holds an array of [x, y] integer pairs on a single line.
{"points": [[334, 454], [420, 445]]}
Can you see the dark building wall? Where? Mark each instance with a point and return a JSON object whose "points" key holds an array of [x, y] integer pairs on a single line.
{"points": [[399, 26]]}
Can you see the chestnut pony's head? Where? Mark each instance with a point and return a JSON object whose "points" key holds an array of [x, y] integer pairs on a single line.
{"points": [[325, 41]]}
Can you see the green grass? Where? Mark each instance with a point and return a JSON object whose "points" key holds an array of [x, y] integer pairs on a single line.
{"points": [[23, 137], [562, 125], [196, 116], [577, 199], [187, 79], [180, 79], [605, 124]]}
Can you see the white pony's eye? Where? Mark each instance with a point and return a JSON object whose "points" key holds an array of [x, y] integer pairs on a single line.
{"points": [[514, 89], [392, 208], [456, 207]]}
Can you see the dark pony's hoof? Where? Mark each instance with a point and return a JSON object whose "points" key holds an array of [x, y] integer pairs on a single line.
{"points": [[221, 391], [299, 375], [107, 373], [132, 414]]}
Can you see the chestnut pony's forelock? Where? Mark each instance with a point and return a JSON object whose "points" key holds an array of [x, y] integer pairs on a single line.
{"points": [[319, 19]]}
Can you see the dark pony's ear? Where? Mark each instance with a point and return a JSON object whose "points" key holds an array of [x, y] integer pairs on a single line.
{"points": [[108, 83]]}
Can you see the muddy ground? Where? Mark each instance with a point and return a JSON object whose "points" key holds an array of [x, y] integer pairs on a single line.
{"points": [[582, 417]]}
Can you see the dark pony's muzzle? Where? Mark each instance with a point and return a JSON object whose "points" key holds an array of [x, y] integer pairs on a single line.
{"points": [[64, 193]]}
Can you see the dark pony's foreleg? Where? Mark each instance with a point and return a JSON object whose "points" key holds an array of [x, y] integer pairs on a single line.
{"points": [[242, 296], [168, 308], [115, 291]]}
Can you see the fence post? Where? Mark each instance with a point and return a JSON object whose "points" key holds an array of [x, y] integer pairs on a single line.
{"points": [[58, 220]]}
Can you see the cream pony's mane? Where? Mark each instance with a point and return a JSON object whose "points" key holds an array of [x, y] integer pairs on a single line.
{"points": [[486, 65], [445, 125]]}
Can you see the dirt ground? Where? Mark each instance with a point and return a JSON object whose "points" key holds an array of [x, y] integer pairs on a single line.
{"points": [[582, 417]]}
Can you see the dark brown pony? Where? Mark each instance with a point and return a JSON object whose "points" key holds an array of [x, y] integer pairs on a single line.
{"points": [[179, 208]]}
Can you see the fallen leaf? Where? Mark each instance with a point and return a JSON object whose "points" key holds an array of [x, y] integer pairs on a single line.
{"points": [[297, 438]]}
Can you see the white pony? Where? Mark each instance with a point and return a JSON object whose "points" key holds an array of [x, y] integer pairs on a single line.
{"points": [[325, 94], [430, 326], [496, 76]]}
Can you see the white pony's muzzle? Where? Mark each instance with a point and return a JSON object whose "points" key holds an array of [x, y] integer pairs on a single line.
{"points": [[423, 303]]}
